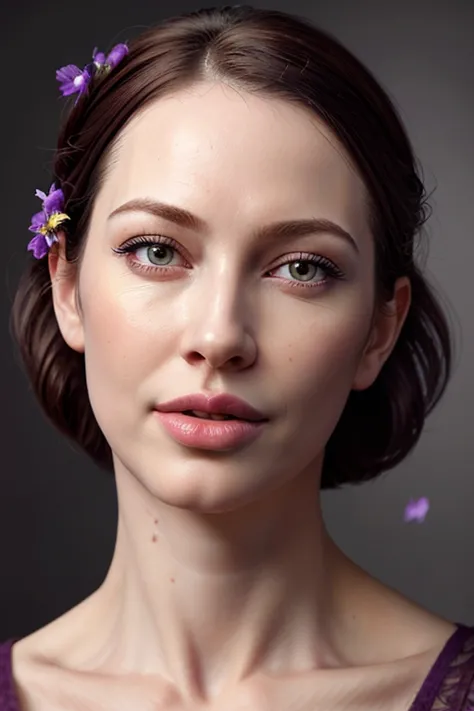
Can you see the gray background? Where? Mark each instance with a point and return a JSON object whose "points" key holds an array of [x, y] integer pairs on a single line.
{"points": [[57, 511]]}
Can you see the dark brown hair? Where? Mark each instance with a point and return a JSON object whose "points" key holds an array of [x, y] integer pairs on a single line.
{"points": [[276, 55]]}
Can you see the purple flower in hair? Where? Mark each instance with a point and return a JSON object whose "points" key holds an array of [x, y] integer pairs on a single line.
{"points": [[98, 58], [74, 80], [417, 510], [114, 57], [46, 222]]}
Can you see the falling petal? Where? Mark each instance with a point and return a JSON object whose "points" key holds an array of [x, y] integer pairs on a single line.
{"points": [[417, 510]]}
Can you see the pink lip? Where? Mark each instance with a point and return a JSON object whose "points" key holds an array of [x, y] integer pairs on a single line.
{"points": [[222, 404], [218, 435]]}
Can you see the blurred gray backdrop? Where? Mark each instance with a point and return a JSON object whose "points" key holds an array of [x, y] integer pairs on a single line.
{"points": [[57, 511]]}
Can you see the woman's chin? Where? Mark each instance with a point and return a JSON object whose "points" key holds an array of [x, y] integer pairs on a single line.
{"points": [[198, 487], [205, 499], [200, 481]]}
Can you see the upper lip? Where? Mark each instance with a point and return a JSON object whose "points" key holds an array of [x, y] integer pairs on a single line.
{"points": [[221, 404]]}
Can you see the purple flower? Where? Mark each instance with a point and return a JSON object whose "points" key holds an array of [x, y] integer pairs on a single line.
{"points": [[74, 80], [46, 222], [417, 510], [116, 55], [53, 202]]}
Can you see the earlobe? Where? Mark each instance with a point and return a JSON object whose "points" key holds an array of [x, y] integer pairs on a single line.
{"points": [[384, 335], [64, 286]]}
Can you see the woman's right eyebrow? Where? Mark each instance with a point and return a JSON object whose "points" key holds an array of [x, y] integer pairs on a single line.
{"points": [[172, 213]]}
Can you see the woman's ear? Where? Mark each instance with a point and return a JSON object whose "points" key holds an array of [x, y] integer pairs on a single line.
{"points": [[64, 284], [384, 334]]}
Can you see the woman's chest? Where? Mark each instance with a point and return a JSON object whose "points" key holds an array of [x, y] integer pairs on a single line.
{"points": [[387, 687]]}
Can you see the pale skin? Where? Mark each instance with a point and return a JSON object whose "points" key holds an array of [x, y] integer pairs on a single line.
{"points": [[225, 590]]}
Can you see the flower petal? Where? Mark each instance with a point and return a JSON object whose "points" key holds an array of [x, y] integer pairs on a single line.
{"points": [[38, 220], [89, 71], [98, 57], [40, 194], [116, 55], [54, 202], [68, 73], [38, 246], [50, 238], [417, 510]]}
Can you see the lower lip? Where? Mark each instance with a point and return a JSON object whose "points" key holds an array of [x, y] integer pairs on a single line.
{"points": [[209, 434]]}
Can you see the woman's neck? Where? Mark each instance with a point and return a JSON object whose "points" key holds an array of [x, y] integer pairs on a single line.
{"points": [[208, 600]]}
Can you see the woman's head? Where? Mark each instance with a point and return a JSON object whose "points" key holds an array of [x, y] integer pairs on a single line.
{"points": [[244, 118]]}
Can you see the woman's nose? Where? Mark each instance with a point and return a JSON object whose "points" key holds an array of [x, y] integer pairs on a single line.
{"points": [[218, 328]]}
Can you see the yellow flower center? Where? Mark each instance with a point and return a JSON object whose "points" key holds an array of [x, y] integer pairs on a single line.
{"points": [[53, 222]]}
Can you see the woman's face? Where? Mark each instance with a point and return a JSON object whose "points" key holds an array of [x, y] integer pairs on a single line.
{"points": [[222, 306]]}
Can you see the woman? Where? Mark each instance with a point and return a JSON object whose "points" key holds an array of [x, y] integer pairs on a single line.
{"points": [[230, 236]]}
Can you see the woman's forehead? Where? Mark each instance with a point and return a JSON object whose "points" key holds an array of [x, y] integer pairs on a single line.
{"points": [[210, 126], [228, 148]]}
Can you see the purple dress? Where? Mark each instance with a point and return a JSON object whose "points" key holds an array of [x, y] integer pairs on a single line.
{"points": [[449, 685]]}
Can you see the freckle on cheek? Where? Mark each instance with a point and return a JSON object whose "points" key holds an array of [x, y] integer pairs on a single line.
{"points": [[154, 538], [171, 580]]}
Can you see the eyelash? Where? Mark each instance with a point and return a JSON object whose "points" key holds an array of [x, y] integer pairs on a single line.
{"points": [[331, 270]]}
